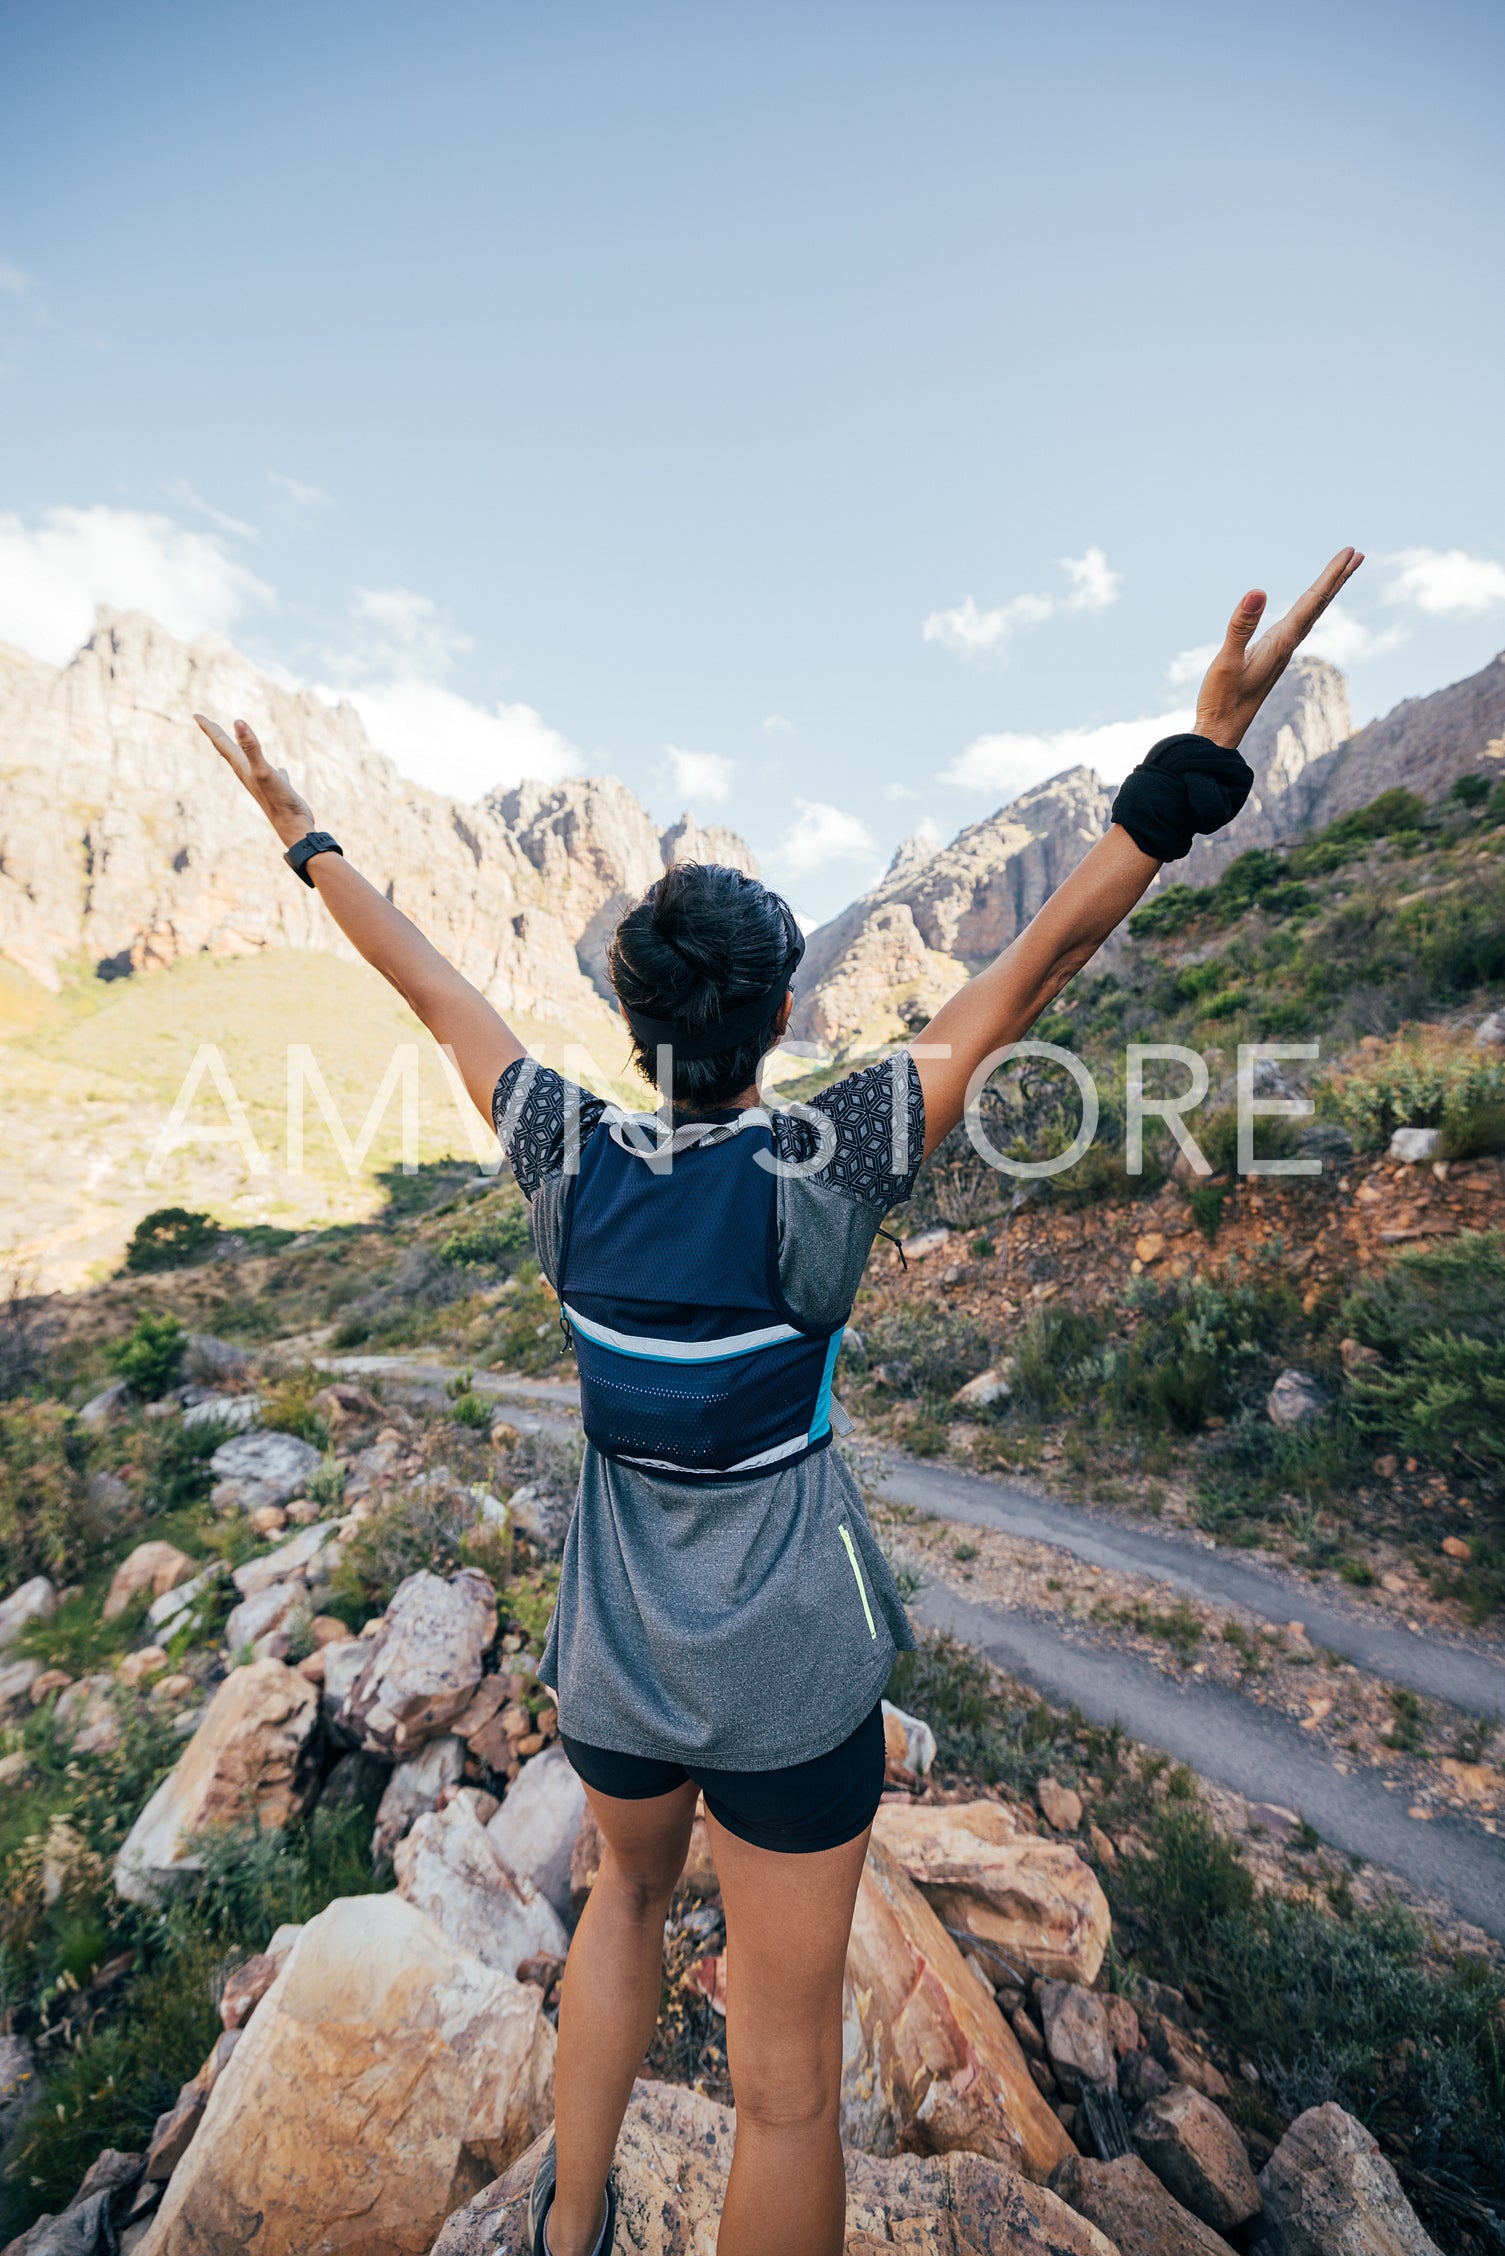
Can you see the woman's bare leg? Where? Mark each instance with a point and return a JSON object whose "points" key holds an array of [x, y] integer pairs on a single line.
{"points": [[787, 1922], [610, 1998]]}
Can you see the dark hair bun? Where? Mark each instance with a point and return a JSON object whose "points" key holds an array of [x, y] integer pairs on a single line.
{"points": [[701, 941]]}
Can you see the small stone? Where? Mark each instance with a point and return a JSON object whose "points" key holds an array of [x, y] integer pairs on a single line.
{"points": [[1060, 1806], [1414, 1146], [1102, 1847], [1454, 1547], [175, 1687], [988, 1387], [907, 1741], [1198, 2156], [1077, 2037], [268, 1519], [1150, 1247], [1295, 1397], [503, 1435], [157, 1567], [1387, 1467], [1123, 2025], [135, 1668], [51, 1680], [1140, 2078], [35, 1600]]}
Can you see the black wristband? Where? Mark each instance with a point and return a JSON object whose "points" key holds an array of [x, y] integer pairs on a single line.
{"points": [[1184, 784], [314, 842]]}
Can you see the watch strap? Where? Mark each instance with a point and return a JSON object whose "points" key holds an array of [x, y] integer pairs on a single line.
{"points": [[313, 842]]}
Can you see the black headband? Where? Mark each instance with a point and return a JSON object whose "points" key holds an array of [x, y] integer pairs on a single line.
{"points": [[730, 1030]]}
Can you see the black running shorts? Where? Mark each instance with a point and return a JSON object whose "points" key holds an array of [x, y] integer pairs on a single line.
{"points": [[810, 1805]]}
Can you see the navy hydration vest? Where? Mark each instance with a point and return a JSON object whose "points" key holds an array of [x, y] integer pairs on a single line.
{"points": [[691, 1361]]}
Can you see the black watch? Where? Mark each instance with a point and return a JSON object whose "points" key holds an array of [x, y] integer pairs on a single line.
{"points": [[315, 842]]}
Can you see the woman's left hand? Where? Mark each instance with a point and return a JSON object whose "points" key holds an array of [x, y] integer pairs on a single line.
{"points": [[1241, 677], [285, 808]]}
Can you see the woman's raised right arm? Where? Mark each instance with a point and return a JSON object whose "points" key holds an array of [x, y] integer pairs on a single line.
{"points": [[455, 1013]]}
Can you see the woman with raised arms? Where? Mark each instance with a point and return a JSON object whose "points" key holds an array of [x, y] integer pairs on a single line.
{"points": [[726, 1622]]}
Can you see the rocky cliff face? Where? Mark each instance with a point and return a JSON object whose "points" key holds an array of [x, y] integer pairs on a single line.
{"points": [[891, 958], [123, 842]]}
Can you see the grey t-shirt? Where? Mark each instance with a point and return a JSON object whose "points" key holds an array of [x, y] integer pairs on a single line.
{"points": [[749, 1624]]}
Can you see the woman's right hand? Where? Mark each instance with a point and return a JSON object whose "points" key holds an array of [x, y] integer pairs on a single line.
{"points": [[285, 808]]}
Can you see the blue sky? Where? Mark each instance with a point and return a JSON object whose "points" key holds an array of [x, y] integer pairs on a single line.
{"points": [[814, 414]]}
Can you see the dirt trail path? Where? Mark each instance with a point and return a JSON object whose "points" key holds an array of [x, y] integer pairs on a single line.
{"points": [[1471, 1676], [1253, 1750]]}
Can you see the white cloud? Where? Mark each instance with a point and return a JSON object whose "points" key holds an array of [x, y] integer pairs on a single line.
{"points": [[1446, 583], [448, 744], [54, 572], [1007, 764], [900, 791], [1093, 585], [301, 496], [966, 629], [14, 280], [1346, 641], [699, 775], [181, 490], [395, 675], [820, 835], [1189, 666], [777, 725]]}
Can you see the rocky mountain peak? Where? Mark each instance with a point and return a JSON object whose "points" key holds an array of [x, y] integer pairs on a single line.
{"points": [[122, 843]]}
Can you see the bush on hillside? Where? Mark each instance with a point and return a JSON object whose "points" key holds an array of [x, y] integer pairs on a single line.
{"points": [[1419, 1083], [150, 1357], [171, 1238], [48, 1523], [1437, 1315], [489, 1243], [939, 1348]]}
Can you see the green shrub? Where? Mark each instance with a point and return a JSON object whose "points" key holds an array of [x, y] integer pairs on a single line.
{"points": [[1437, 1315], [939, 1347], [1414, 1085], [48, 1523], [489, 1243], [1050, 1347], [171, 1237], [150, 1357], [421, 1528], [1341, 2004]]}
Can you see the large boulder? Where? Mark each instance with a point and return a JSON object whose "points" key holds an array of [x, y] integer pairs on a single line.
{"points": [[32, 1601], [1328, 2191], [384, 2078], [1126, 2200], [176, 1609], [252, 1756], [928, 2061], [1198, 2156], [424, 1663], [535, 1828], [671, 2168], [18, 2082], [1034, 1900], [260, 1468], [449, 1867], [157, 1567]]}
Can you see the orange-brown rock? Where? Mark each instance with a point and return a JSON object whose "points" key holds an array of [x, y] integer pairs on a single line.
{"points": [[929, 2063], [1035, 1900], [671, 2169], [252, 1757], [153, 1567], [381, 2082]]}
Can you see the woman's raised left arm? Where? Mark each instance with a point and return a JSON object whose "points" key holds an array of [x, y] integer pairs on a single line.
{"points": [[1001, 1003]]}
